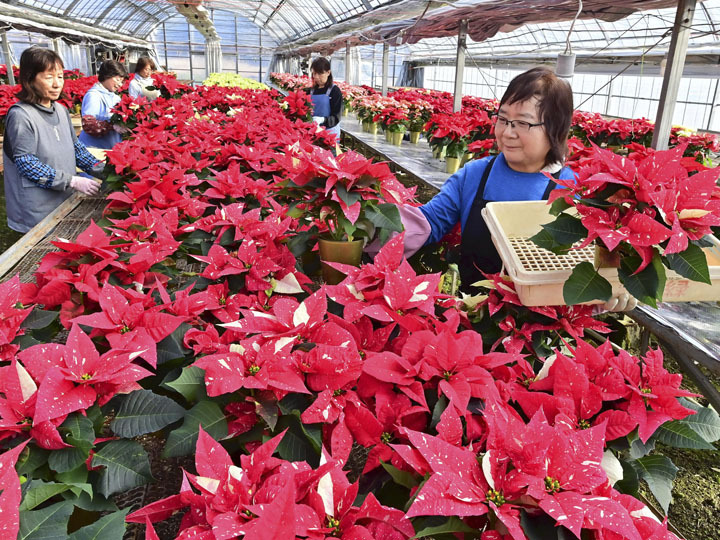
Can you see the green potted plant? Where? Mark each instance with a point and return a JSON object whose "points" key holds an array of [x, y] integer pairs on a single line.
{"points": [[342, 203]]}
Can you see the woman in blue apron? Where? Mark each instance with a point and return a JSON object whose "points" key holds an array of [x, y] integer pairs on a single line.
{"points": [[326, 98], [531, 130]]}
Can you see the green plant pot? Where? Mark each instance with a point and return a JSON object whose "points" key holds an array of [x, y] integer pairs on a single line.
{"points": [[415, 136], [396, 137], [452, 164], [338, 251]]}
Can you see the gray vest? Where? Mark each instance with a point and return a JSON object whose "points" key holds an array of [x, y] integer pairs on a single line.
{"points": [[27, 203]]}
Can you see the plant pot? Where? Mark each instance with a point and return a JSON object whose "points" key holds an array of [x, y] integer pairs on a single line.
{"points": [[373, 128], [439, 152], [387, 136], [467, 156], [415, 136], [605, 258], [366, 126], [396, 137], [452, 164], [338, 251]]}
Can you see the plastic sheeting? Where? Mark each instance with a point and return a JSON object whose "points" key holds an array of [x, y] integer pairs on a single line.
{"points": [[485, 19]]}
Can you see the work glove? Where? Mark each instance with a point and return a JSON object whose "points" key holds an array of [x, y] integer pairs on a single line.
{"points": [[86, 186], [621, 302]]}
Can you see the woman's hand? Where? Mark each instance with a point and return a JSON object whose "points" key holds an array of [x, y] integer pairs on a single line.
{"points": [[86, 186], [621, 302]]}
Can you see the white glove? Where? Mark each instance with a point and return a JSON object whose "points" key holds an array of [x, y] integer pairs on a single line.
{"points": [[150, 94], [87, 186], [621, 302], [318, 119], [120, 129]]}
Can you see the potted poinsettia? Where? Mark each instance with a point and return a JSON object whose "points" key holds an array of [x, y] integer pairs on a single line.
{"points": [[342, 201], [394, 120], [643, 216]]}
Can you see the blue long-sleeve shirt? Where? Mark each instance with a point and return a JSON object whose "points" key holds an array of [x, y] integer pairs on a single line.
{"points": [[44, 175], [456, 197]]}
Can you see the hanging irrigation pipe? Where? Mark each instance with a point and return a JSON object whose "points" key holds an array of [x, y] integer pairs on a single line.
{"points": [[568, 47]]}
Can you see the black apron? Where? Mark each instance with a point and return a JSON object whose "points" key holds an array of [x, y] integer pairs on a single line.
{"points": [[477, 251]]}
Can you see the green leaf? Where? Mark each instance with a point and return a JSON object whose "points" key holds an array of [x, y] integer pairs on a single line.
{"points": [[403, 478], [558, 206], [47, 524], [300, 442], [181, 442], [126, 466], [96, 503], [452, 525], [680, 435], [110, 527], [31, 458], [384, 216], [562, 233], [143, 412], [40, 491], [268, 411], [78, 475], [659, 472], [39, 318], [190, 384], [171, 347], [705, 423], [648, 285], [629, 483], [691, 263], [586, 284], [543, 527], [348, 198], [67, 459]]}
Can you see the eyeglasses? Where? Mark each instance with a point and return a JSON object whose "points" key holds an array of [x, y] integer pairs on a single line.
{"points": [[518, 125]]}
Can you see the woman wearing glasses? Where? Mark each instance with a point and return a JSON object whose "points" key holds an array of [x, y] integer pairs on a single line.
{"points": [[531, 129]]}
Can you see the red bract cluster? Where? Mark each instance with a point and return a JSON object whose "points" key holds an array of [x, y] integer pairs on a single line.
{"points": [[197, 283]]}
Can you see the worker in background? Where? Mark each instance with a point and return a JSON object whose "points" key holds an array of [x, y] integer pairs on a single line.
{"points": [[97, 130], [40, 150], [142, 79], [327, 98]]}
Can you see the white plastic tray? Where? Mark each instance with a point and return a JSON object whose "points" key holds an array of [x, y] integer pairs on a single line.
{"points": [[539, 275]]}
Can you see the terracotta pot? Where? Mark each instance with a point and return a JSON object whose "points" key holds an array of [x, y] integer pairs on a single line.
{"points": [[415, 136], [396, 137], [605, 258], [452, 164], [338, 251]]}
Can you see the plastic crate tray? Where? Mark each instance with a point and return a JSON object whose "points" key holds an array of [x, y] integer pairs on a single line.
{"points": [[539, 275]]}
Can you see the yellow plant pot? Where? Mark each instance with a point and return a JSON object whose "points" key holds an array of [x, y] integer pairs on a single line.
{"points": [[396, 137], [452, 164], [366, 126], [467, 156], [387, 136], [415, 136], [338, 251], [373, 128]]}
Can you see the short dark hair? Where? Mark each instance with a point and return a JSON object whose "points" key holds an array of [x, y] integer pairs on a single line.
{"points": [[143, 62], [555, 106], [33, 61], [321, 65], [110, 69]]}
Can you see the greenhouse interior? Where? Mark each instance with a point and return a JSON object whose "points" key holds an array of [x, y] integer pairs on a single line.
{"points": [[360, 269]]}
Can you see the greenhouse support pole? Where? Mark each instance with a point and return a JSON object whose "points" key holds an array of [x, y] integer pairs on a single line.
{"points": [[386, 58], [8, 59], [460, 65], [259, 51], [165, 47], [348, 71], [673, 73]]}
